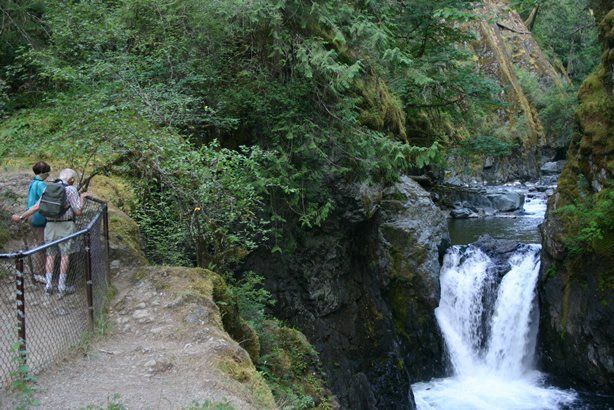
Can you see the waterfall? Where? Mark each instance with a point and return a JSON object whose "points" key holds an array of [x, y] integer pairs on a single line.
{"points": [[514, 330], [489, 324]]}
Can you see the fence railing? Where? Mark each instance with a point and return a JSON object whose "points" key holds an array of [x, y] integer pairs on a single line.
{"points": [[37, 327]]}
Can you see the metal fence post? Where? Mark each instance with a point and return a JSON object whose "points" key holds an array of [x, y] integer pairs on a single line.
{"points": [[105, 221], [21, 306], [88, 278]]}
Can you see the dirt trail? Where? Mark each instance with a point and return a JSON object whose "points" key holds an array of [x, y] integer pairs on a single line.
{"points": [[166, 350]]}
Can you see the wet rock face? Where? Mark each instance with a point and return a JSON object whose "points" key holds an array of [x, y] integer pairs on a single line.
{"points": [[576, 339], [363, 289], [499, 250], [576, 328], [413, 236]]}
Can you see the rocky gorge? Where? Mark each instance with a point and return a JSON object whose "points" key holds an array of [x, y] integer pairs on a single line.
{"points": [[364, 287], [363, 290]]}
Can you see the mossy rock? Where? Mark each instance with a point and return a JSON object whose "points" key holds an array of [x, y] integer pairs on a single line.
{"points": [[114, 190], [125, 236], [246, 374], [284, 355], [234, 324], [292, 367]]}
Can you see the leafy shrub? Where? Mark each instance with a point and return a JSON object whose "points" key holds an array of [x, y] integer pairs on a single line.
{"points": [[252, 298], [487, 145], [556, 105], [589, 224]]}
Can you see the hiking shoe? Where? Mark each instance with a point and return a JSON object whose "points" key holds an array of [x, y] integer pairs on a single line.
{"points": [[68, 290], [39, 278], [49, 290]]}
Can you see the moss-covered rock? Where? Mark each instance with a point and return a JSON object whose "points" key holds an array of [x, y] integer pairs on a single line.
{"points": [[244, 372], [288, 361], [114, 190], [125, 237], [234, 324], [577, 273], [292, 368]]}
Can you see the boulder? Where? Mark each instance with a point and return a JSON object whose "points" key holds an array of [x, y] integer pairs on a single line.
{"points": [[480, 199], [506, 201], [499, 251], [461, 213], [553, 167], [125, 242]]}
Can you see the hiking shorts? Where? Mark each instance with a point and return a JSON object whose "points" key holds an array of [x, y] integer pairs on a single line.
{"points": [[59, 230]]}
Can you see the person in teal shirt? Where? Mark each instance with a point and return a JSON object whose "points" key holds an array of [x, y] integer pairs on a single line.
{"points": [[37, 221]]}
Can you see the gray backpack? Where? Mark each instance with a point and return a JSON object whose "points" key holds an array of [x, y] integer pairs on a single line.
{"points": [[53, 201]]}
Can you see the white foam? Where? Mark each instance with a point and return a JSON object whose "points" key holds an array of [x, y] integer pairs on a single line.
{"points": [[491, 348], [487, 392], [535, 207]]}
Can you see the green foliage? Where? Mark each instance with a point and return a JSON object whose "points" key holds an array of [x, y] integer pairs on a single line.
{"points": [[24, 382], [556, 105], [166, 238], [487, 145], [252, 298], [524, 7], [208, 405], [206, 201], [589, 224], [172, 178], [145, 89]]}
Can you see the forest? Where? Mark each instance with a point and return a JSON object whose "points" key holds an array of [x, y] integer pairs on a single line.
{"points": [[262, 103]]}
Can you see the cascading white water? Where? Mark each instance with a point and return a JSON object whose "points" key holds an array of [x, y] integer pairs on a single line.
{"points": [[512, 343], [460, 310], [489, 327]]}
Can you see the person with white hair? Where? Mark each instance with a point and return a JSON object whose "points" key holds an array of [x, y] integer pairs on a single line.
{"points": [[60, 227]]}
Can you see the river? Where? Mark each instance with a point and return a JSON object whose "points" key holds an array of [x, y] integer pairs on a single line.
{"points": [[520, 226]]}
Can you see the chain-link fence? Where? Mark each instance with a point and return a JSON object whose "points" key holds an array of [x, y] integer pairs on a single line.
{"points": [[41, 324]]}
